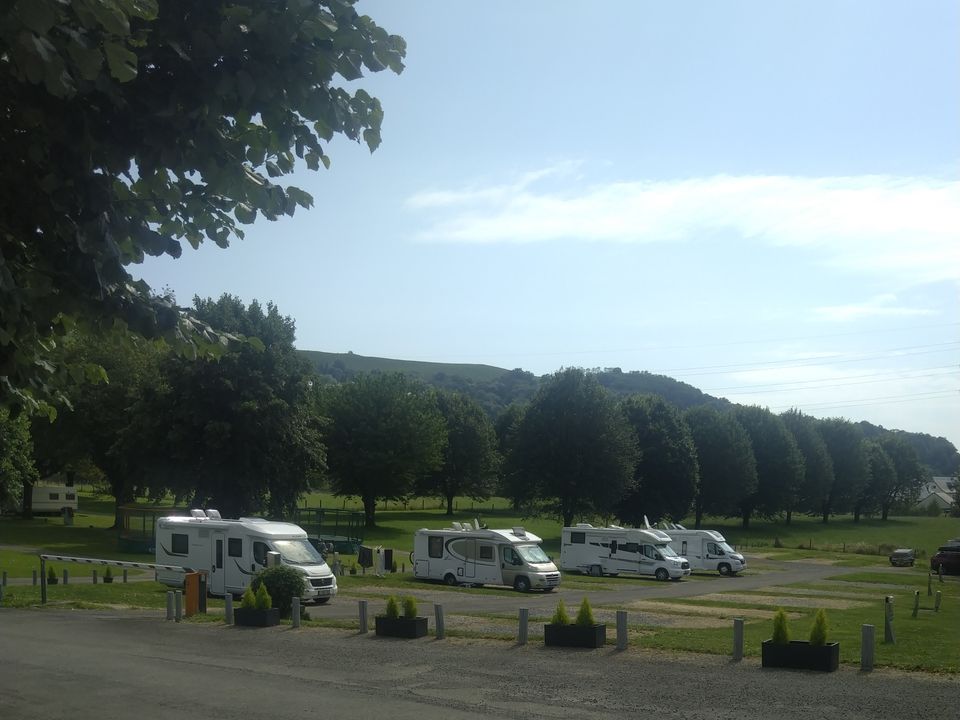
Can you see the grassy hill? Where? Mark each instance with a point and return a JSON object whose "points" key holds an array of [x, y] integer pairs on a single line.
{"points": [[324, 362]]}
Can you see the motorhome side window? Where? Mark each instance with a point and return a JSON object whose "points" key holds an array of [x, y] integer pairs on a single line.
{"points": [[180, 544], [714, 549], [649, 552], [235, 547], [486, 552], [435, 547], [54, 496], [578, 538], [260, 552], [630, 547]]}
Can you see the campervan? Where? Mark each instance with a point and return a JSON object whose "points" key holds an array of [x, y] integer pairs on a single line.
{"points": [[614, 550], [52, 498], [705, 549], [471, 555], [232, 552]]}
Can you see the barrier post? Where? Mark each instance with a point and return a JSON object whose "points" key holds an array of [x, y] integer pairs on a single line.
{"points": [[522, 629], [124, 574], [888, 620], [169, 604], [438, 616], [362, 606], [936, 602], [622, 636], [916, 602], [929, 584], [66, 576], [295, 612], [43, 581], [4, 581], [228, 608], [178, 605], [866, 648], [94, 577], [738, 639]]}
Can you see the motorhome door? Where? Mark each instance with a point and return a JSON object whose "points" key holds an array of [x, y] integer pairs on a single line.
{"points": [[216, 578], [510, 564]]}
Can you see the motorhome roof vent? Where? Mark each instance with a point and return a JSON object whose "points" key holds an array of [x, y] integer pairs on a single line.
{"points": [[199, 514], [456, 526], [584, 525], [616, 527], [519, 531], [476, 523], [213, 514]]}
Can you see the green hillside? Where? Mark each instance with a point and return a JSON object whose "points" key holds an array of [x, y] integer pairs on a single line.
{"points": [[327, 363]]}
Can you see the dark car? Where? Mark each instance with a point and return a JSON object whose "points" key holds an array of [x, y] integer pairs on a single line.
{"points": [[902, 557], [948, 556]]}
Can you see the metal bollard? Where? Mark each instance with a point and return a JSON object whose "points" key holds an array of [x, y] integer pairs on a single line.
{"points": [[929, 583], [738, 639], [1, 593], [295, 612], [178, 605], [936, 603], [34, 577], [94, 577], [438, 616], [866, 648], [940, 571], [888, 620], [169, 604], [66, 576], [228, 609], [622, 638], [522, 629], [362, 606], [124, 574], [916, 602], [4, 582]]}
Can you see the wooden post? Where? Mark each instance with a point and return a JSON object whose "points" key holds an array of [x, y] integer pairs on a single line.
{"points": [[362, 605], [438, 616], [295, 612], [228, 608], [622, 637], [522, 629], [737, 639], [866, 648]]}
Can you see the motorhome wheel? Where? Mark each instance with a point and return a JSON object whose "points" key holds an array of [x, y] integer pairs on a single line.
{"points": [[662, 574], [450, 579], [596, 570], [521, 584], [724, 569]]}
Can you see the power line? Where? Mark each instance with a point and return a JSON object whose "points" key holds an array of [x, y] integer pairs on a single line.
{"points": [[888, 400], [891, 376]]}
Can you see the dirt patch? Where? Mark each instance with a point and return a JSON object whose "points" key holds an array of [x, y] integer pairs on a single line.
{"points": [[721, 613], [813, 592], [832, 603]]}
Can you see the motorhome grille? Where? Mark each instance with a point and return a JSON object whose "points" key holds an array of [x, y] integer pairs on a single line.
{"points": [[321, 582]]}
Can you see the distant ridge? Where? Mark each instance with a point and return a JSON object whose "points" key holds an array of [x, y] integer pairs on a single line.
{"points": [[353, 363]]}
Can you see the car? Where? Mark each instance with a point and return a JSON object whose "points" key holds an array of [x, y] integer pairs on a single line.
{"points": [[902, 557], [948, 557]]}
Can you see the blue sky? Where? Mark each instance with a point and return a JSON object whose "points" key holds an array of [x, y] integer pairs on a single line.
{"points": [[761, 199]]}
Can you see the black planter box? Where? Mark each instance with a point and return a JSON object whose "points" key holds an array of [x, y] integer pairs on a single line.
{"points": [[801, 655], [401, 627], [251, 617], [587, 636]]}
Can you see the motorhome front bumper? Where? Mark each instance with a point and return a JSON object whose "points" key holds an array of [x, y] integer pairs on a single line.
{"points": [[548, 580], [324, 587]]}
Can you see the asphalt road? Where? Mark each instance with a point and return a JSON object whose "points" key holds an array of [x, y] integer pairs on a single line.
{"points": [[106, 665]]}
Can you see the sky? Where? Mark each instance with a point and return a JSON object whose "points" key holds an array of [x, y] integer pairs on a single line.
{"points": [[759, 199]]}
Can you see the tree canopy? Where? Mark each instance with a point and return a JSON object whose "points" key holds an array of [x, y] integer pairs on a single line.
{"points": [[131, 126]]}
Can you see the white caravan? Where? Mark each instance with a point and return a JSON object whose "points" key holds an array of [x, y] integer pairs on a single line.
{"points": [[51, 498], [613, 550], [705, 549], [478, 556], [232, 552]]}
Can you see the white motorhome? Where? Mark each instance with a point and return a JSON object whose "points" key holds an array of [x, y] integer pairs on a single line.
{"points": [[705, 549], [53, 498], [613, 550], [232, 552], [478, 556]]}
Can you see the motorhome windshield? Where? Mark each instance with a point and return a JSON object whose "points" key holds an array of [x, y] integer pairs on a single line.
{"points": [[726, 548], [667, 551], [532, 553], [298, 552]]}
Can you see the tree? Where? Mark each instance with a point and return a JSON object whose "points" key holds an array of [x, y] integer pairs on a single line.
{"points": [[470, 458], [574, 448], [666, 473], [909, 471], [728, 469], [130, 126], [881, 480], [17, 471], [385, 435], [511, 483], [817, 465], [779, 463], [236, 433], [844, 442]]}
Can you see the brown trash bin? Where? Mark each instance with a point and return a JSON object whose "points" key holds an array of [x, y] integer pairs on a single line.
{"points": [[193, 584]]}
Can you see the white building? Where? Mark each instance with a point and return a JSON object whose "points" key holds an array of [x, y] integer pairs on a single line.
{"points": [[939, 490]]}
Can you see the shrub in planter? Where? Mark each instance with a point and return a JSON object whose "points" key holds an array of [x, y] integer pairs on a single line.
{"points": [[583, 633], [255, 609], [391, 624], [263, 599], [249, 600], [283, 583], [817, 654]]}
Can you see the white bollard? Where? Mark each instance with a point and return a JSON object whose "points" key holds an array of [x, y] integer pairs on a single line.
{"points": [[178, 605], [170, 602], [438, 615], [738, 639], [228, 608], [94, 577], [295, 612], [622, 637], [66, 576]]}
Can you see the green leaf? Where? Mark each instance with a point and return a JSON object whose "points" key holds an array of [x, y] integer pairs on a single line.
{"points": [[110, 17], [37, 15], [122, 62], [273, 170], [245, 213], [372, 138], [88, 61]]}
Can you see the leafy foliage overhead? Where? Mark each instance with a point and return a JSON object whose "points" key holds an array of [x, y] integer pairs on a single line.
{"points": [[131, 126]]}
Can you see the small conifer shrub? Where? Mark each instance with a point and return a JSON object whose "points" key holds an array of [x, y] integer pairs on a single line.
{"points": [[263, 599], [560, 616], [781, 635], [818, 633], [409, 606], [249, 600], [585, 614], [393, 608]]}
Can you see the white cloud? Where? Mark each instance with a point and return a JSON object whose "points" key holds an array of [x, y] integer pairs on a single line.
{"points": [[874, 224], [880, 306]]}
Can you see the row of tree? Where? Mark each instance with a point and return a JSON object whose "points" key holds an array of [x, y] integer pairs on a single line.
{"points": [[255, 429]]}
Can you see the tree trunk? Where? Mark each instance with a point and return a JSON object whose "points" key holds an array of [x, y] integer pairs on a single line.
{"points": [[26, 505], [449, 504], [699, 518], [789, 515], [122, 495], [369, 511], [884, 511], [746, 519], [568, 518], [856, 514], [825, 513]]}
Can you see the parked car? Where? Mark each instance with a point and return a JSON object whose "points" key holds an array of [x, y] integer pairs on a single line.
{"points": [[902, 557], [948, 556]]}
